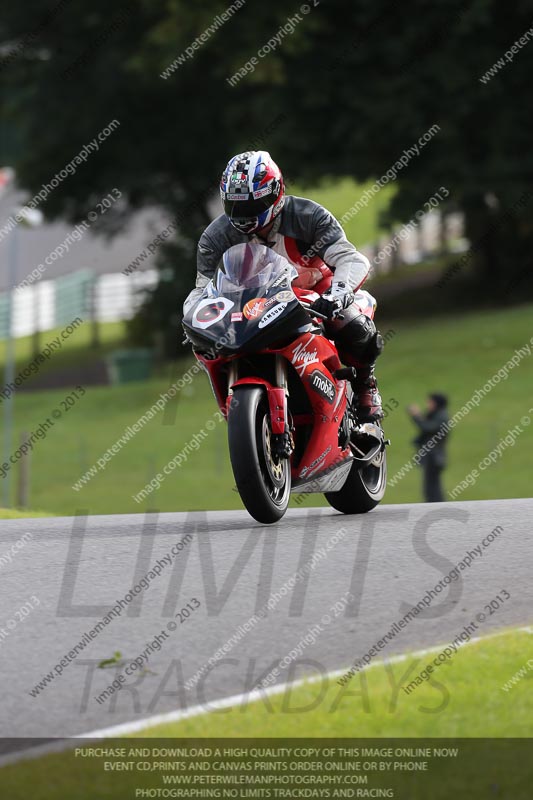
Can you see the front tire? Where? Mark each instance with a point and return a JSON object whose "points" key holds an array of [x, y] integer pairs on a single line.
{"points": [[364, 488], [263, 479]]}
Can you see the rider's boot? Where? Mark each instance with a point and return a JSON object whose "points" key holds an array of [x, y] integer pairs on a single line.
{"points": [[366, 390], [366, 393]]}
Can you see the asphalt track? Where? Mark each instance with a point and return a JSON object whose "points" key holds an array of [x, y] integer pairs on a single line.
{"points": [[78, 567]]}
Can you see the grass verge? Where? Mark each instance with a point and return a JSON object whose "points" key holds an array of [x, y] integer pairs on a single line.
{"points": [[14, 513], [462, 699]]}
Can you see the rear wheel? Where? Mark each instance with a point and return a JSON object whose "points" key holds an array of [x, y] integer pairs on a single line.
{"points": [[364, 487], [263, 479]]}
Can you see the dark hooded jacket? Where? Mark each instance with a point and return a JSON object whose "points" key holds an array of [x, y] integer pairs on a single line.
{"points": [[432, 426]]}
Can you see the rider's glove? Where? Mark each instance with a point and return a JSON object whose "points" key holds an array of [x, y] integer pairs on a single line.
{"points": [[333, 300]]}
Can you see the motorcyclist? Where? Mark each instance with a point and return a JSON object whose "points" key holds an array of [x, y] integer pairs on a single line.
{"points": [[256, 209]]}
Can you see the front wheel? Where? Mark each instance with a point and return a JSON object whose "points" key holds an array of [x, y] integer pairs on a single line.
{"points": [[263, 479], [364, 487]]}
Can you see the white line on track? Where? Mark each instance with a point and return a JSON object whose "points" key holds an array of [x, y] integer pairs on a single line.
{"points": [[127, 728]]}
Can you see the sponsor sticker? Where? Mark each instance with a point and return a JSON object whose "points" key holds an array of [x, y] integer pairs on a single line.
{"points": [[307, 470], [209, 311], [302, 356], [270, 302], [283, 278], [279, 205], [271, 315], [236, 316], [261, 192], [254, 308], [322, 385], [284, 297], [243, 196]]}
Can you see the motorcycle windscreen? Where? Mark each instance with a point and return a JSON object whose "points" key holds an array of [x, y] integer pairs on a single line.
{"points": [[250, 292], [251, 266]]}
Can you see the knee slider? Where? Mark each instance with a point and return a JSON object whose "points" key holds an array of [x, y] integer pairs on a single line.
{"points": [[368, 351], [375, 346], [360, 337]]}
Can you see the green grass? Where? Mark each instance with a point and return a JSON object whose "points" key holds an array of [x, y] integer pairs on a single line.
{"points": [[13, 513], [339, 196], [463, 698], [456, 354]]}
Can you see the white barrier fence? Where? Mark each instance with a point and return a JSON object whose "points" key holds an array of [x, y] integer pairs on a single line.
{"points": [[49, 304]]}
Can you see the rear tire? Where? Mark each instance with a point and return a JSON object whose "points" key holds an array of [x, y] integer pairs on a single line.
{"points": [[364, 488], [263, 480]]}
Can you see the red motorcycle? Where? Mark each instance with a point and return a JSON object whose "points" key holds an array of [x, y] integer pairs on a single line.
{"points": [[288, 401]]}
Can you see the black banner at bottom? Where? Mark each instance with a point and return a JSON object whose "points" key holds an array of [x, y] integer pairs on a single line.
{"points": [[406, 769]]}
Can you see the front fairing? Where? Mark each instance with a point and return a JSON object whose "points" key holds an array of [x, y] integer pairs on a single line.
{"points": [[248, 305]]}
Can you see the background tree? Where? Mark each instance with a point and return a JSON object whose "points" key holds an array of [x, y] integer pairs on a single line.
{"points": [[351, 87]]}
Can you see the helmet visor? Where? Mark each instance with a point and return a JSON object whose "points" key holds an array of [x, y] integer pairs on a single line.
{"points": [[244, 209]]}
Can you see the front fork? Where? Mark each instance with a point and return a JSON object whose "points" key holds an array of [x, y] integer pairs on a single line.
{"points": [[282, 434], [282, 440]]}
